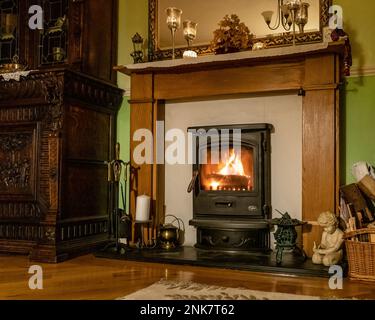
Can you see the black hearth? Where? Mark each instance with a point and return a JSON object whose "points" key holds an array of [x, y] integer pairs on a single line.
{"points": [[231, 187]]}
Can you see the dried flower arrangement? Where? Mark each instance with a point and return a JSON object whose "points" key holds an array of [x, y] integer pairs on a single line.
{"points": [[232, 36]]}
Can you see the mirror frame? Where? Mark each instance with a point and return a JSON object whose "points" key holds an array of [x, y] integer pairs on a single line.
{"points": [[155, 53]]}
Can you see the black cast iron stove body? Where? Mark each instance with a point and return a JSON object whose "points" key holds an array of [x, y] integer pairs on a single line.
{"points": [[231, 187]]}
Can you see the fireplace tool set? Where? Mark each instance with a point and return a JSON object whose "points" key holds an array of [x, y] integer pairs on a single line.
{"points": [[120, 220]]}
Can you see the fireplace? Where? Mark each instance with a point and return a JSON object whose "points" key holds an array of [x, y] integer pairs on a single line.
{"points": [[311, 71], [231, 187]]}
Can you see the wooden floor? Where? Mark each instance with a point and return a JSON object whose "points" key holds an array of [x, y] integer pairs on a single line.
{"points": [[92, 278]]}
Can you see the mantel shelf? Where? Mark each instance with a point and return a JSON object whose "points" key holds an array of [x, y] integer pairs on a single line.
{"points": [[231, 59]]}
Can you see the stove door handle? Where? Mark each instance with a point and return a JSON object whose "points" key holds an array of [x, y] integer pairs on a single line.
{"points": [[192, 183], [226, 204]]}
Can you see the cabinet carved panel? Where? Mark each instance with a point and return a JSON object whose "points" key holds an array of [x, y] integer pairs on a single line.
{"points": [[17, 161]]}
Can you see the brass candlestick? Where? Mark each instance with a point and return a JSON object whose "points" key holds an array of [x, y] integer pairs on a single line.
{"points": [[190, 33], [174, 23], [302, 16], [293, 8]]}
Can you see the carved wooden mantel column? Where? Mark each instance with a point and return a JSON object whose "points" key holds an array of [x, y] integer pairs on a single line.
{"points": [[314, 71]]}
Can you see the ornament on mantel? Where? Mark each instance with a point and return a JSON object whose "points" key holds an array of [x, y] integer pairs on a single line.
{"points": [[232, 36], [337, 35]]}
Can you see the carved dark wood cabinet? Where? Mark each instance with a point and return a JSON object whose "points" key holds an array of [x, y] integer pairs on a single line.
{"points": [[57, 130], [57, 127]]}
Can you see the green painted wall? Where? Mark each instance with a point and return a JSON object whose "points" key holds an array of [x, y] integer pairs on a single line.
{"points": [[358, 23], [359, 124], [359, 104], [132, 19], [359, 101]]}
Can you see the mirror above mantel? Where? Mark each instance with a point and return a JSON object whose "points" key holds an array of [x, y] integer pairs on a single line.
{"points": [[208, 13]]}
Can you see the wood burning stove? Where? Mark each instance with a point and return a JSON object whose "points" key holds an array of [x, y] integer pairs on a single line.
{"points": [[231, 187]]}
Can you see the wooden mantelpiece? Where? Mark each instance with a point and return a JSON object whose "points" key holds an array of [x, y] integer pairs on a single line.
{"points": [[313, 71]]}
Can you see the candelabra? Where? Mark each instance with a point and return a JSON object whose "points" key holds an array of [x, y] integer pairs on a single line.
{"points": [[190, 33], [174, 23], [289, 14]]}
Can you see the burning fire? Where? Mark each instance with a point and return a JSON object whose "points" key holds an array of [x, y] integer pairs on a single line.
{"points": [[233, 167], [232, 176]]}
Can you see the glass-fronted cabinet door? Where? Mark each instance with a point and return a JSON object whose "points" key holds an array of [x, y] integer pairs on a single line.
{"points": [[53, 41], [10, 31], [78, 34]]}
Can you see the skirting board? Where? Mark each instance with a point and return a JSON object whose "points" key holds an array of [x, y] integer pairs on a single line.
{"points": [[362, 71]]}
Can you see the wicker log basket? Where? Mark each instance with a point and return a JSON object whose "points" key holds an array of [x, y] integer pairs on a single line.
{"points": [[360, 247]]}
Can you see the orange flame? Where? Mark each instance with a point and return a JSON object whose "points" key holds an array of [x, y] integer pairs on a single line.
{"points": [[233, 167]]}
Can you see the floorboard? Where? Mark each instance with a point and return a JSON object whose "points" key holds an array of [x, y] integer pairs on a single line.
{"points": [[90, 278]]}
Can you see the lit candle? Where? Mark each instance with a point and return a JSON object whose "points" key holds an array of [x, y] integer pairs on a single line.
{"points": [[143, 208]]}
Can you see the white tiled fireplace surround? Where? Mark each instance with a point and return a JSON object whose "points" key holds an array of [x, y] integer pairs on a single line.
{"points": [[284, 112]]}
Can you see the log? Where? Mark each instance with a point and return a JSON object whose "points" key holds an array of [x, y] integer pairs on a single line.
{"points": [[231, 181], [367, 185]]}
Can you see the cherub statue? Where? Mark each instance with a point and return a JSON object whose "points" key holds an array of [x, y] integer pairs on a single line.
{"points": [[329, 252]]}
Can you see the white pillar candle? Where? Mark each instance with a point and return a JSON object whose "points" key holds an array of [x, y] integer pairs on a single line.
{"points": [[143, 208]]}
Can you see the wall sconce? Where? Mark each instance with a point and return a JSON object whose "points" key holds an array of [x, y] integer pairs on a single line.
{"points": [[289, 14], [137, 54]]}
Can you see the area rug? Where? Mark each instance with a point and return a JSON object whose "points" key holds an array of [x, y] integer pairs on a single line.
{"points": [[177, 290]]}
